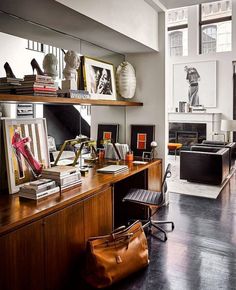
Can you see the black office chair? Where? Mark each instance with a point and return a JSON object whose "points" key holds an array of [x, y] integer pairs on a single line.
{"points": [[153, 200]]}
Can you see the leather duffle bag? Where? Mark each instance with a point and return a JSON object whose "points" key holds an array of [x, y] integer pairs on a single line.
{"points": [[113, 257]]}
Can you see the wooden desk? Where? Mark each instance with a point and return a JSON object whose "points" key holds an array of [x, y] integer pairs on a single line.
{"points": [[42, 243]]}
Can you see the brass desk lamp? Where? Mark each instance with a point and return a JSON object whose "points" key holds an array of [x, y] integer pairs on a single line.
{"points": [[72, 142]]}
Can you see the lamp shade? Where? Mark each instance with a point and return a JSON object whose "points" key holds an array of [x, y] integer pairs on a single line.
{"points": [[228, 125]]}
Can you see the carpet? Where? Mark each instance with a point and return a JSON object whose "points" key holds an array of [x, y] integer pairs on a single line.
{"points": [[177, 185]]}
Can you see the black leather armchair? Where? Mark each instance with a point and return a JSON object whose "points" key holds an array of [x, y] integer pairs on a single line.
{"points": [[230, 145], [205, 164]]}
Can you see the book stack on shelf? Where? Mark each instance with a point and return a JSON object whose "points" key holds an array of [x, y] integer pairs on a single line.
{"points": [[64, 176], [9, 85], [74, 94], [37, 85], [199, 109], [39, 189]]}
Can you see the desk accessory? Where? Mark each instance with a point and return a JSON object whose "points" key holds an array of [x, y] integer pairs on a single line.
{"points": [[119, 254]]}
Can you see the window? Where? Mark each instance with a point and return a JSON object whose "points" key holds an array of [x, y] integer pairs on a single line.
{"points": [[34, 45], [178, 32], [216, 27]]}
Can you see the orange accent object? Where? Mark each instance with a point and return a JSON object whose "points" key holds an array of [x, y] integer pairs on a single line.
{"points": [[101, 154], [129, 157], [174, 146]]}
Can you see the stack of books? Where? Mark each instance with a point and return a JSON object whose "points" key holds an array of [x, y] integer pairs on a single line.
{"points": [[37, 85], [38, 189], [113, 169], [8, 85], [74, 94], [65, 176], [198, 109]]}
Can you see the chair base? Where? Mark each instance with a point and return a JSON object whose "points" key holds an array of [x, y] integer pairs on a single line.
{"points": [[152, 223]]}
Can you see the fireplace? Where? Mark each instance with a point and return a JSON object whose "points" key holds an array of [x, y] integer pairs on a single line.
{"points": [[186, 138], [187, 133]]}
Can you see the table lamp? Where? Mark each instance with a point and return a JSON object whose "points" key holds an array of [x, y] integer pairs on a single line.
{"points": [[228, 126]]}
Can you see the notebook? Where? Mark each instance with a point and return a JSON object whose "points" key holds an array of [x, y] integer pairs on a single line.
{"points": [[113, 169]]}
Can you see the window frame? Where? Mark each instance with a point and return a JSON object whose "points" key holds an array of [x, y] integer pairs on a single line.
{"points": [[207, 22]]}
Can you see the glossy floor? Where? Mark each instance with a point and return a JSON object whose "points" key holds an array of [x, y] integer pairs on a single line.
{"points": [[200, 253]]}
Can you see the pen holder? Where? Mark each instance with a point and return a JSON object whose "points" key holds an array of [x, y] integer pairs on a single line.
{"points": [[129, 157]]}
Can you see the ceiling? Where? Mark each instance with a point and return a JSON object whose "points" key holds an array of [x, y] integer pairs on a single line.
{"points": [[170, 4]]}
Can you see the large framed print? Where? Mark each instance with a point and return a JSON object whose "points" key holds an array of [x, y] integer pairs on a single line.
{"points": [[26, 150], [99, 79], [107, 132], [141, 138], [195, 83]]}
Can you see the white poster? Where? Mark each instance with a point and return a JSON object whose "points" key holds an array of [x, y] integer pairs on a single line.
{"points": [[195, 83]]}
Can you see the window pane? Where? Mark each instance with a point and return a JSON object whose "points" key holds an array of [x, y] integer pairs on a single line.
{"points": [[214, 10], [178, 42], [217, 37], [177, 17]]}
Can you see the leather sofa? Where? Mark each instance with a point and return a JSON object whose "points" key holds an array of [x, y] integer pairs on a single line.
{"points": [[205, 164]]}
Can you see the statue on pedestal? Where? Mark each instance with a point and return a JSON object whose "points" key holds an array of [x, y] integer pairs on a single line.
{"points": [[70, 71], [50, 65]]}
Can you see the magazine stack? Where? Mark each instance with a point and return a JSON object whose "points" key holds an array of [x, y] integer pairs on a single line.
{"points": [[8, 85], [39, 189], [64, 176], [37, 85]]}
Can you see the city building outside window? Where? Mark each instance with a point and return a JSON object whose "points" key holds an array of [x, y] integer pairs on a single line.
{"points": [[216, 27], [177, 25]]}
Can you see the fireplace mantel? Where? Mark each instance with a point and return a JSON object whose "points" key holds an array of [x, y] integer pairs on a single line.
{"points": [[212, 120]]}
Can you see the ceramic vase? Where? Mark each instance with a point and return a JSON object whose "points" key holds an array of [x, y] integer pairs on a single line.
{"points": [[126, 80]]}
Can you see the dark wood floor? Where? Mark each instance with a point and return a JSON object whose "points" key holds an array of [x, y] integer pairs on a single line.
{"points": [[200, 253]]}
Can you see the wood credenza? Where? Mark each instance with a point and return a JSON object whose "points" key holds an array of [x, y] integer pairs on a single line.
{"points": [[42, 244]]}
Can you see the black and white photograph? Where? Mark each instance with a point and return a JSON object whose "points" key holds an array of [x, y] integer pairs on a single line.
{"points": [[195, 84], [99, 79]]}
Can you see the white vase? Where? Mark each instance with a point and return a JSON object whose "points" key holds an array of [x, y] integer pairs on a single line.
{"points": [[126, 80]]}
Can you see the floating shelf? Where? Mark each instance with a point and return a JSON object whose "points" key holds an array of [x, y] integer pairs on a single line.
{"points": [[8, 98]]}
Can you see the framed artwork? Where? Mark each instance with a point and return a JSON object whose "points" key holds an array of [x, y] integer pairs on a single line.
{"points": [[106, 132], [141, 138], [195, 83], [26, 150], [99, 79]]}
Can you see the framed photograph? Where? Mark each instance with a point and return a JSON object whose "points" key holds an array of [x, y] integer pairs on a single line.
{"points": [[106, 132], [26, 150], [195, 83], [147, 155], [141, 138], [99, 79]]}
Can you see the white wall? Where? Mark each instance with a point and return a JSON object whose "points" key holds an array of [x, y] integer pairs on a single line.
{"points": [[150, 73], [224, 89], [133, 18]]}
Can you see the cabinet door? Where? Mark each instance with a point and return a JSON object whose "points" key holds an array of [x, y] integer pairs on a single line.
{"points": [[98, 214], [64, 243], [21, 259], [155, 177]]}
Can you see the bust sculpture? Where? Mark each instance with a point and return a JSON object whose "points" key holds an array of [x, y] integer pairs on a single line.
{"points": [[72, 64], [50, 65]]}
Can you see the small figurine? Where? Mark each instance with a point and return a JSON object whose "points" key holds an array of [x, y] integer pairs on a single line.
{"points": [[72, 64], [50, 65]]}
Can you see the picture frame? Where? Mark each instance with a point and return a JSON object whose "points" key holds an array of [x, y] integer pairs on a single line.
{"points": [[195, 83], [147, 155], [141, 138], [26, 150], [107, 132], [99, 78]]}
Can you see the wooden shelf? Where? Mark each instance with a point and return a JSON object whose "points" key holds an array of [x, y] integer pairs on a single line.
{"points": [[8, 98]]}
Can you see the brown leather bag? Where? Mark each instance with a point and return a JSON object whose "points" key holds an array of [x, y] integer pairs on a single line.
{"points": [[113, 257]]}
